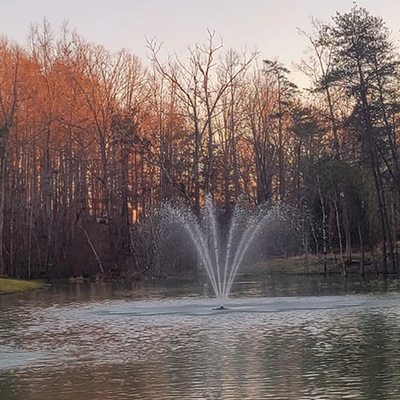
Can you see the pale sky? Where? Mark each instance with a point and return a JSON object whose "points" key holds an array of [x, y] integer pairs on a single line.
{"points": [[268, 25]]}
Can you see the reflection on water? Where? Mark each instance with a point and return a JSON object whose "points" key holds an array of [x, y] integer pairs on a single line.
{"points": [[103, 341]]}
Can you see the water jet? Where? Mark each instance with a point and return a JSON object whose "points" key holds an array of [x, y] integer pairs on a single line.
{"points": [[221, 255]]}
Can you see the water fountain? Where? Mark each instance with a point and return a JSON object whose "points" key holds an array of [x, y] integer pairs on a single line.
{"points": [[221, 256]]}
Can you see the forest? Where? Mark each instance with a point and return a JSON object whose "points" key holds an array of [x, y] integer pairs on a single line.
{"points": [[92, 142]]}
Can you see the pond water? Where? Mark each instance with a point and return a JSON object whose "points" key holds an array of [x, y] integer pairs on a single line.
{"points": [[282, 338]]}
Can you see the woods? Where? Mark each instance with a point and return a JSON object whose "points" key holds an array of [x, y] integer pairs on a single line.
{"points": [[92, 142]]}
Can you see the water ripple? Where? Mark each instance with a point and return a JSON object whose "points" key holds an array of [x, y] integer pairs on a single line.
{"points": [[331, 347]]}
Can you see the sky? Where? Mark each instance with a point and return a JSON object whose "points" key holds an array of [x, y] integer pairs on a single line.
{"points": [[270, 26]]}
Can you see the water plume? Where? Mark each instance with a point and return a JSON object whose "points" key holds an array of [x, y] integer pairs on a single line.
{"points": [[222, 255]]}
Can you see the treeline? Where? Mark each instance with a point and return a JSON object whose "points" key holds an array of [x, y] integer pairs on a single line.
{"points": [[92, 141]]}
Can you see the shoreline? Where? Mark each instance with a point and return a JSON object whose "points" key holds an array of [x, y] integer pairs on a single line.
{"points": [[290, 265]]}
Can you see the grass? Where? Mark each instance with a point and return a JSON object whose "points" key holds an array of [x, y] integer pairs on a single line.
{"points": [[8, 286], [298, 265], [294, 265], [284, 265]]}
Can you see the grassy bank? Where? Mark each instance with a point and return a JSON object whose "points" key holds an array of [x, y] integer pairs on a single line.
{"points": [[300, 265], [8, 286]]}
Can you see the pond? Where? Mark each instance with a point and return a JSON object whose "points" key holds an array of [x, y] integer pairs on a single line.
{"points": [[286, 338]]}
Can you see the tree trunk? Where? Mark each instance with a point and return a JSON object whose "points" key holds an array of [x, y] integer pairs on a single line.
{"points": [[362, 260], [4, 136], [339, 233], [324, 233]]}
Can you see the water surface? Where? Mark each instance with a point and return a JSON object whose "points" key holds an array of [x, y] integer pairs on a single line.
{"points": [[282, 338]]}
